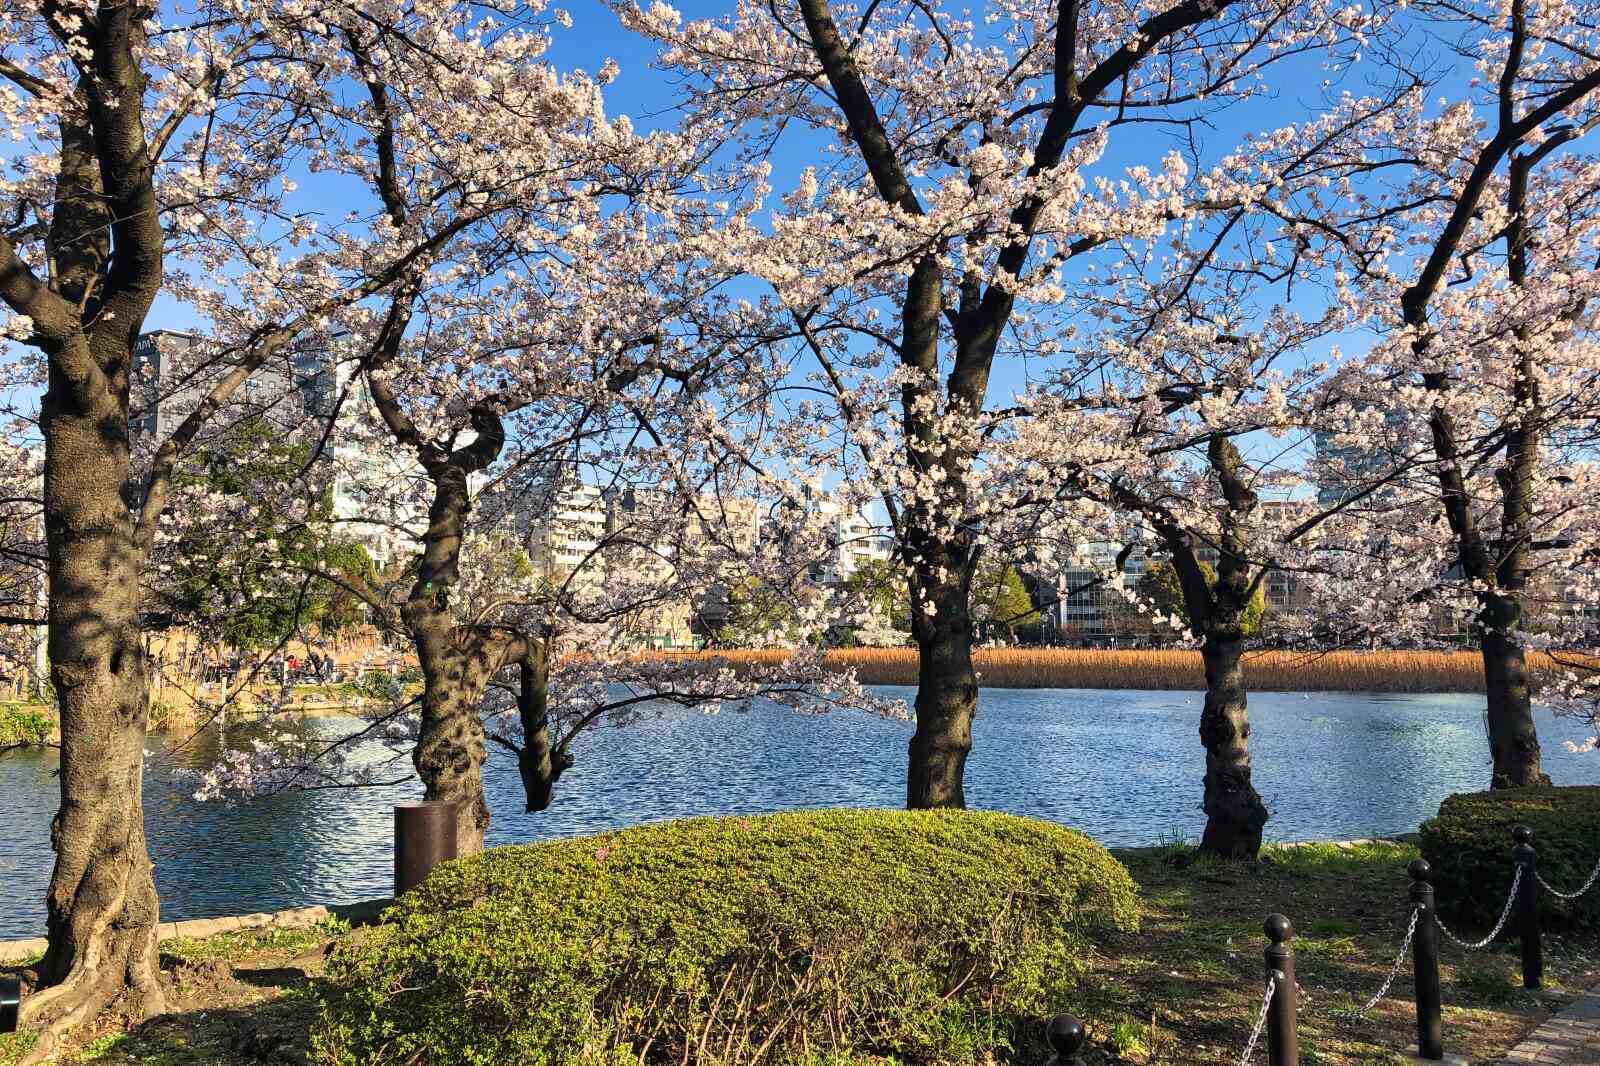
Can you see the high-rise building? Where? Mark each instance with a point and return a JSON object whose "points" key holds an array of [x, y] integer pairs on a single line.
{"points": [[377, 499]]}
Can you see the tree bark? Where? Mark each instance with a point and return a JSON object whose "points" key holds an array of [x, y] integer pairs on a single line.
{"points": [[947, 696], [539, 763], [451, 746], [1513, 738], [457, 661], [101, 908], [1235, 814]]}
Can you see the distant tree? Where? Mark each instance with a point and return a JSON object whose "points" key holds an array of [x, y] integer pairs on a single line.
{"points": [[1161, 588], [758, 616], [228, 577], [346, 611], [1002, 600], [881, 590]]}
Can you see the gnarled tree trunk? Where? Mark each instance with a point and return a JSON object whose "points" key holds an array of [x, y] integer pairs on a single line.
{"points": [[1235, 814], [451, 747], [1513, 737], [539, 762], [101, 907]]}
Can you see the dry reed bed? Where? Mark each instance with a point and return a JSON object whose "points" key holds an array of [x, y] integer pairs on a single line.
{"points": [[1265, 671]]}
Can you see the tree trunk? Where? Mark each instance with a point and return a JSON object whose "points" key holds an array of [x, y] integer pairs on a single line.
{"points": [[1235, 814], [451, 746], [1513, 739], [947, 701], [101, 907], [538, 762]]}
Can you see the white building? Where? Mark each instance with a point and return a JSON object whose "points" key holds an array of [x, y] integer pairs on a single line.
{"points": [[379, 498], [852, 540], [562, 522], [1093, 603]]}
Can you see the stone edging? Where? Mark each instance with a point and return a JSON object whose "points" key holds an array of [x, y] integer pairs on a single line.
{"points": [[13, 951], [1342, 845], [1569, 1038]]}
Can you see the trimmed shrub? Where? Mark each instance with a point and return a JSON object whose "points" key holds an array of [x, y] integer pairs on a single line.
{"points": [[1469, 846], [808, 936]]}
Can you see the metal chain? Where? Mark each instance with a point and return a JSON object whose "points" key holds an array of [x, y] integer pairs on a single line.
{"points": [[1394, 971], [1594, 875], [1501, 924], [1261, 1022]]}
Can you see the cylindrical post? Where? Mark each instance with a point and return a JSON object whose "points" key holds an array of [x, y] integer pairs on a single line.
{"points": [[1283, 1040], [10, 1003], [1425, 962], [424, 836], [1065, 1035], [1528, 906]]}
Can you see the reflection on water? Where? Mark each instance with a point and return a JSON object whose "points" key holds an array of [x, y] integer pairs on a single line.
{"points": [[1122, 766]]}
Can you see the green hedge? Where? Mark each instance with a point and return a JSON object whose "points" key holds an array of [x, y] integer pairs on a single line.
{"points": [[1469, 847], [814, 936]]}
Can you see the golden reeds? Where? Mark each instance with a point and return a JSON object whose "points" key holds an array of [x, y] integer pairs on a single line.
{"points": [[1265, 671]]}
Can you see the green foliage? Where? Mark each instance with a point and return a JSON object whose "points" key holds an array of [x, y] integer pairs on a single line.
{"points": [[757, 615], [884, 588], [1160, 586], [1316, 861], [922, 935], [13, 1046], [253, 579], [1128, 1037], [24, 725], [1469, 846], [1001, 596]]}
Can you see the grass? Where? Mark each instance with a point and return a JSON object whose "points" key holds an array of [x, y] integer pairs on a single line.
{"points": [[1181, 992], [1197, 961], [1267, 671]]}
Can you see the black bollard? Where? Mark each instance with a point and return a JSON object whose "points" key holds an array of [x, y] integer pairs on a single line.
{"points": [[10, 1003], [1425, 962], [424, 836], [1527, 906], [1065, 1035], [1283, 1041]]}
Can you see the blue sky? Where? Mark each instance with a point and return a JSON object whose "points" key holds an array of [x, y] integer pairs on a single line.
{"points": [[647, 95]]}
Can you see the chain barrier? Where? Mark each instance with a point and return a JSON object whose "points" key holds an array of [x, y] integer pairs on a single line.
{"points": [[1261, 1022], [1394, 971], [1479, 945], [1594, 875]]}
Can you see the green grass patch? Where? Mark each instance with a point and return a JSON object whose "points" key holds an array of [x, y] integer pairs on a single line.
{"points": [[244, 943]]}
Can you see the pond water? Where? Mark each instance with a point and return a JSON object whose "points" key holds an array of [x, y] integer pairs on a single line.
{"points": [[1124, 767]]}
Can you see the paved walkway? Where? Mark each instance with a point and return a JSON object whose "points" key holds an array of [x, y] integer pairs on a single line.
{"points": [[1571, 1038]]}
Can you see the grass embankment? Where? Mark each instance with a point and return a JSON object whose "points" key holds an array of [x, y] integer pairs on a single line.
{"points": [[1265, 671], [1183, 990]]}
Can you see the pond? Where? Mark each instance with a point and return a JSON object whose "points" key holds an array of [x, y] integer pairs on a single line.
{"points": [[1123, 766]]}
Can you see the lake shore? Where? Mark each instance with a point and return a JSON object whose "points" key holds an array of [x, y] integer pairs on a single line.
{"points": [[1175, 669]]}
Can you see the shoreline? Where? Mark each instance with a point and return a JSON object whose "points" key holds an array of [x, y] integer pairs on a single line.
{"points": [[361, 912]]}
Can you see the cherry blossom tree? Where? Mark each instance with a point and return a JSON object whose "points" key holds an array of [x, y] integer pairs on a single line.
{"points": [[21, 566], [971, 170], [1474, 250], [165, 154]]}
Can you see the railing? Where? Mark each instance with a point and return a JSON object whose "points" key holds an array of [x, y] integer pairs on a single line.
{"points": [[1279, 1002]]}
